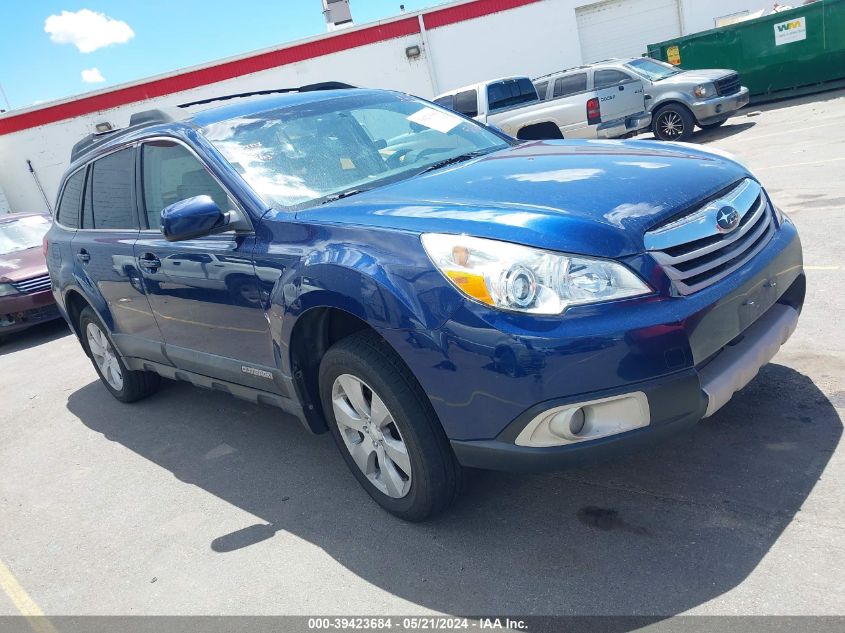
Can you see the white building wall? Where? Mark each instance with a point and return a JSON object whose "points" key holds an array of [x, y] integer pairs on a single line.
{"points": [[530, 40], [700, 15]]}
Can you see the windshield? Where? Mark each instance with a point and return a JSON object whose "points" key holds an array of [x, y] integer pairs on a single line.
{"points": [[19, 235], [309, 153], [652, 69]]}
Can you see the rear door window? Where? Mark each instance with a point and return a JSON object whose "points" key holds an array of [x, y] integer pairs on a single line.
{"points": [[109, 200], [507, 94], [466, 103], [447, 102], [67, 213], [570, 85], [609, 77]]}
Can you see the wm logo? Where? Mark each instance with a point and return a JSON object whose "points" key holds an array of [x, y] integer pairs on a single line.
{"points": [[787, 26]]}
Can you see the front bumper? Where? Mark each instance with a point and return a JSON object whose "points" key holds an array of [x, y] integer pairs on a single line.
{"points": [[711, 110], [626, 126], [18, 312], [675, 403]]}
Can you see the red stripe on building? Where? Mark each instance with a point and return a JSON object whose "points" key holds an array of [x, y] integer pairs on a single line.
{"points": [[470, 11], [263, 61]]}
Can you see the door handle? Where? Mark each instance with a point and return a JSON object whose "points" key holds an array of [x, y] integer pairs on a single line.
{"points": [[621, 88], [148, 261], [83, 256]]}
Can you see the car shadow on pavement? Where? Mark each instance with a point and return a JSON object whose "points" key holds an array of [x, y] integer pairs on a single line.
{"points": [[657, 533], [40, 334]]}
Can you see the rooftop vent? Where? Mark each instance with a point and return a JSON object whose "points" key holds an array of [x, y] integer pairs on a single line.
{"points": [[337, 13]]}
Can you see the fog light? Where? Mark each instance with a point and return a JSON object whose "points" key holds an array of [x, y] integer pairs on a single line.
{"points": [[576, 422], [585, 421]]}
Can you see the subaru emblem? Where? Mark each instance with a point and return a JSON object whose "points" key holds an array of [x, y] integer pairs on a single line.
{"points": [[727, 219]]}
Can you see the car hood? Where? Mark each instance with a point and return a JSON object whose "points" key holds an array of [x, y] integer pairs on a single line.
{"points": [[588, 197], [22, 265], [702, 76]]}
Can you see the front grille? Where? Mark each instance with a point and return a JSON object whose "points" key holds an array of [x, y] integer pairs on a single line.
{"points": [[729, 85], [695, 253], [35, 284]]}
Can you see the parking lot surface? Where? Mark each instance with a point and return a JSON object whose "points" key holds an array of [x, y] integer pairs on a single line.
{"points": [[192, 502]]}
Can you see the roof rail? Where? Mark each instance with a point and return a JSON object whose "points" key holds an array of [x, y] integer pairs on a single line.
{"points": [[137, 120], [564, 70], [148, 117], [325, 85]]}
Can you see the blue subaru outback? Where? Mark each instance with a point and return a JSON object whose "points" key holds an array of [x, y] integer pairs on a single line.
{"points": [[433, 293]]}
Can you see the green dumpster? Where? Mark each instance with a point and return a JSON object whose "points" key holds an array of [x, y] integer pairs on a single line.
{"points": [[801, 49]]}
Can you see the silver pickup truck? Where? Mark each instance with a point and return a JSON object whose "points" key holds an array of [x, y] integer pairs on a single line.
{"points": [[513, 105], [680, 99]]}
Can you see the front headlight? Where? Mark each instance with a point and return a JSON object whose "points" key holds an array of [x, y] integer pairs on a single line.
{"points": [[7, 289], [524, 279], [700, 91]]}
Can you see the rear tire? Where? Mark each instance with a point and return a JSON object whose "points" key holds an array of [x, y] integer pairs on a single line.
{"points": [[386, 428], [123, 384], [673, 123]]}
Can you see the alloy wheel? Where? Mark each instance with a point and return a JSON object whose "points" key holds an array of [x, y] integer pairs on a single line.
{"points": [[104, 356], [671, 125], [371, 436]]}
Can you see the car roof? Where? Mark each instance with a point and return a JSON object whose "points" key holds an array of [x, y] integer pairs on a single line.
{"points": [[162, 121], [250, 107]]}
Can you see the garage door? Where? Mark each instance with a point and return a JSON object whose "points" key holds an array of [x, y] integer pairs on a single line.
{"points": [[624, 28]]}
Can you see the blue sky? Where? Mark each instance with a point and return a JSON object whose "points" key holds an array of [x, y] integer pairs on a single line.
{"points": [[157, 36]]}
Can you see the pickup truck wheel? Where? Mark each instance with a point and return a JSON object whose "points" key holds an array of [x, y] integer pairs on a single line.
{"points": [[673, 123], [386, 429], [125, 385], [712, 126]]}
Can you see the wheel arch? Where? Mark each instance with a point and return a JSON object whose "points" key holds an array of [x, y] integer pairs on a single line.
{"points": [[539, 131], [312, 335]]}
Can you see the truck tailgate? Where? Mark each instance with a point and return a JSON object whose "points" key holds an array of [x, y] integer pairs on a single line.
{"points": [[621, 100]]}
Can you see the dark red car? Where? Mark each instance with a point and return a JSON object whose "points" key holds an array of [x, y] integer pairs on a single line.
{"points": [[25, 296]]}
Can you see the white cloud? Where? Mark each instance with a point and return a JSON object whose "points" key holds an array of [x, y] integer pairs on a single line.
{"points": [[87, 30], [92, 76]]}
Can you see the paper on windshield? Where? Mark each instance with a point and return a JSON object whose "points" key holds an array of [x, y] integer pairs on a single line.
{"points": [[435, 119]]}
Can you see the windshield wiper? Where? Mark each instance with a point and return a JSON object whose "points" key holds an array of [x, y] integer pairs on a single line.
{"points": [[343, 194], [454, 159]]}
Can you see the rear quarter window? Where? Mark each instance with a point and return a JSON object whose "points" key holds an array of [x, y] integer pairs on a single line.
{"points": [[67, 212]]}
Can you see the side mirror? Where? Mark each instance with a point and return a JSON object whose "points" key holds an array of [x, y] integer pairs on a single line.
{"points": [[190, 218]]}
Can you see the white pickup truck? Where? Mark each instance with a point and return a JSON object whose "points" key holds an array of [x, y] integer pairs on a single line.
{"points": [[512, 105]]}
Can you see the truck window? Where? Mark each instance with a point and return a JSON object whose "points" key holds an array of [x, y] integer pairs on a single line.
{"points": [[506, 94], [570, 85], [68, 211], [447, 101], [466, 103], [609, 77], [542, 88], [108, 197]]}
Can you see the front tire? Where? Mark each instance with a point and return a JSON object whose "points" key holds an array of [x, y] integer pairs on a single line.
{"points": [[386, 429], [123, 384], [673, 123]]}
